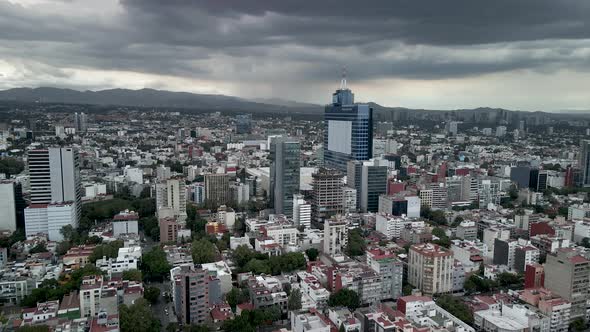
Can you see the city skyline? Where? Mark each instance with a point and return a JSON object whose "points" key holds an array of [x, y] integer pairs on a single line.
{"points": [[510, 54]]}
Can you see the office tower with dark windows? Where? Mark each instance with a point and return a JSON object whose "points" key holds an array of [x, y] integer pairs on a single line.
{"points": [[243, 123], [585, 162], [217, 190], [348, 130], [284, 174], [80, 122]]}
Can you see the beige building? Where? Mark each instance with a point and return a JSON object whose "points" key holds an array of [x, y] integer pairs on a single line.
{"points": [[430, 268], [567, 274]]}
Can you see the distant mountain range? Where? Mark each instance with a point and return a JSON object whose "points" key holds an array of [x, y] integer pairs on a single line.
{"points": [[169, 99], [152, 98]]}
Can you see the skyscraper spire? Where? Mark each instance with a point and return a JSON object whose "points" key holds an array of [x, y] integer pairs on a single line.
{"points": [[343, 81]]}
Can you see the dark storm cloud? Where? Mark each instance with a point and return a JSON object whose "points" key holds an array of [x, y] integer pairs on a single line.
{"points": [[261, 41]]}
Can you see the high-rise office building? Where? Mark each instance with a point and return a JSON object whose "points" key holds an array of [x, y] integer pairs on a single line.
{"points": [[301, 211], [217, 191], [284, 174], [567, 274], [54, 177], [348, 130], [335, 236], [373, 185], [327, 194], [243, 123], [80, 122], [353, 178], [585, 162], [171, 196]]}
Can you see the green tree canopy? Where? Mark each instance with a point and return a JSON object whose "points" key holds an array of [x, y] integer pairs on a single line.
{"points": [[344, 298], [154, 264], [138, 317], [151, 294], [312, 254], [203, 251]]}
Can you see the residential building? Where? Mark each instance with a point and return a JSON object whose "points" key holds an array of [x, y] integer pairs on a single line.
{"points": [[301, 211], [168, 229], [335, 236], [386, 264], [193, 294], [430, 268], [567, 274], [171, 197], [126, 222], [511, 317], [284, 174], [585, 162]]}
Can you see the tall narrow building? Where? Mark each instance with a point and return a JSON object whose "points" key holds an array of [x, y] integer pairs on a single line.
{"points": [[348, 130], [54, 177], [585, 162], [326, 194], [217, 190], [171, 199], [284, 174]]}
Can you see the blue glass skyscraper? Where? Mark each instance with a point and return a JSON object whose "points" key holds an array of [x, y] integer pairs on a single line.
{"points": [[348, 130]]}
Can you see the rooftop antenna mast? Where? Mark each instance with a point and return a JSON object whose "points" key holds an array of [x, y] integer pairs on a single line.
{"points": [[343, 81]]}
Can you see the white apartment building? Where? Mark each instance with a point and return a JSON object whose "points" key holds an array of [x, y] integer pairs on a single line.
{"points": [[392, 226], [171, 194], [335, 237], [283, 234], [301, 211], [349, 202], [133, 174], [90, 296]]}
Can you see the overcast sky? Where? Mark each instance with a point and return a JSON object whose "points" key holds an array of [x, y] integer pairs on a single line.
{"points": [[517, 54]]}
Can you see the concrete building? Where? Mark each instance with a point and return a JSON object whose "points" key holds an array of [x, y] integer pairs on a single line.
{"points": [[171, 195], [217, 190], [430, 268], [54, 176], [126, 222], [386, 264], [193, 291], [308, 322], [511, 317], [567, 274], [335, 236], [558, 310], [90, 293], [284, 174], [168, 229], [327, 193], [50, 219], [585, 162], [8, 205], [349, 203], [301, 211]]}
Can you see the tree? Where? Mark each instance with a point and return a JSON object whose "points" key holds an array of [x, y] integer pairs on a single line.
{"points": [[578, 324], [258, 266], [443, 239], [455, 307], [154, 264], [203, 251], [11, 166], [152, 294], [312, 254], [40, 247], [133, 274], [344, 298], [294, 300], [138, 317], [108, 250], [237, 296], [242, 255], [356, 243], [586, 242]]}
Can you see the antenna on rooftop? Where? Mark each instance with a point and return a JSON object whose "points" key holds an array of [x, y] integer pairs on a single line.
{"points": [[343, 81]]}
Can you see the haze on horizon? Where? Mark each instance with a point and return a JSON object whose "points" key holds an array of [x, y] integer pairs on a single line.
{"points": [[531, 55]]}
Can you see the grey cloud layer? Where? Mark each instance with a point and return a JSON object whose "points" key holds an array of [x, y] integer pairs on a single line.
{"points": [[266, 40]]}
